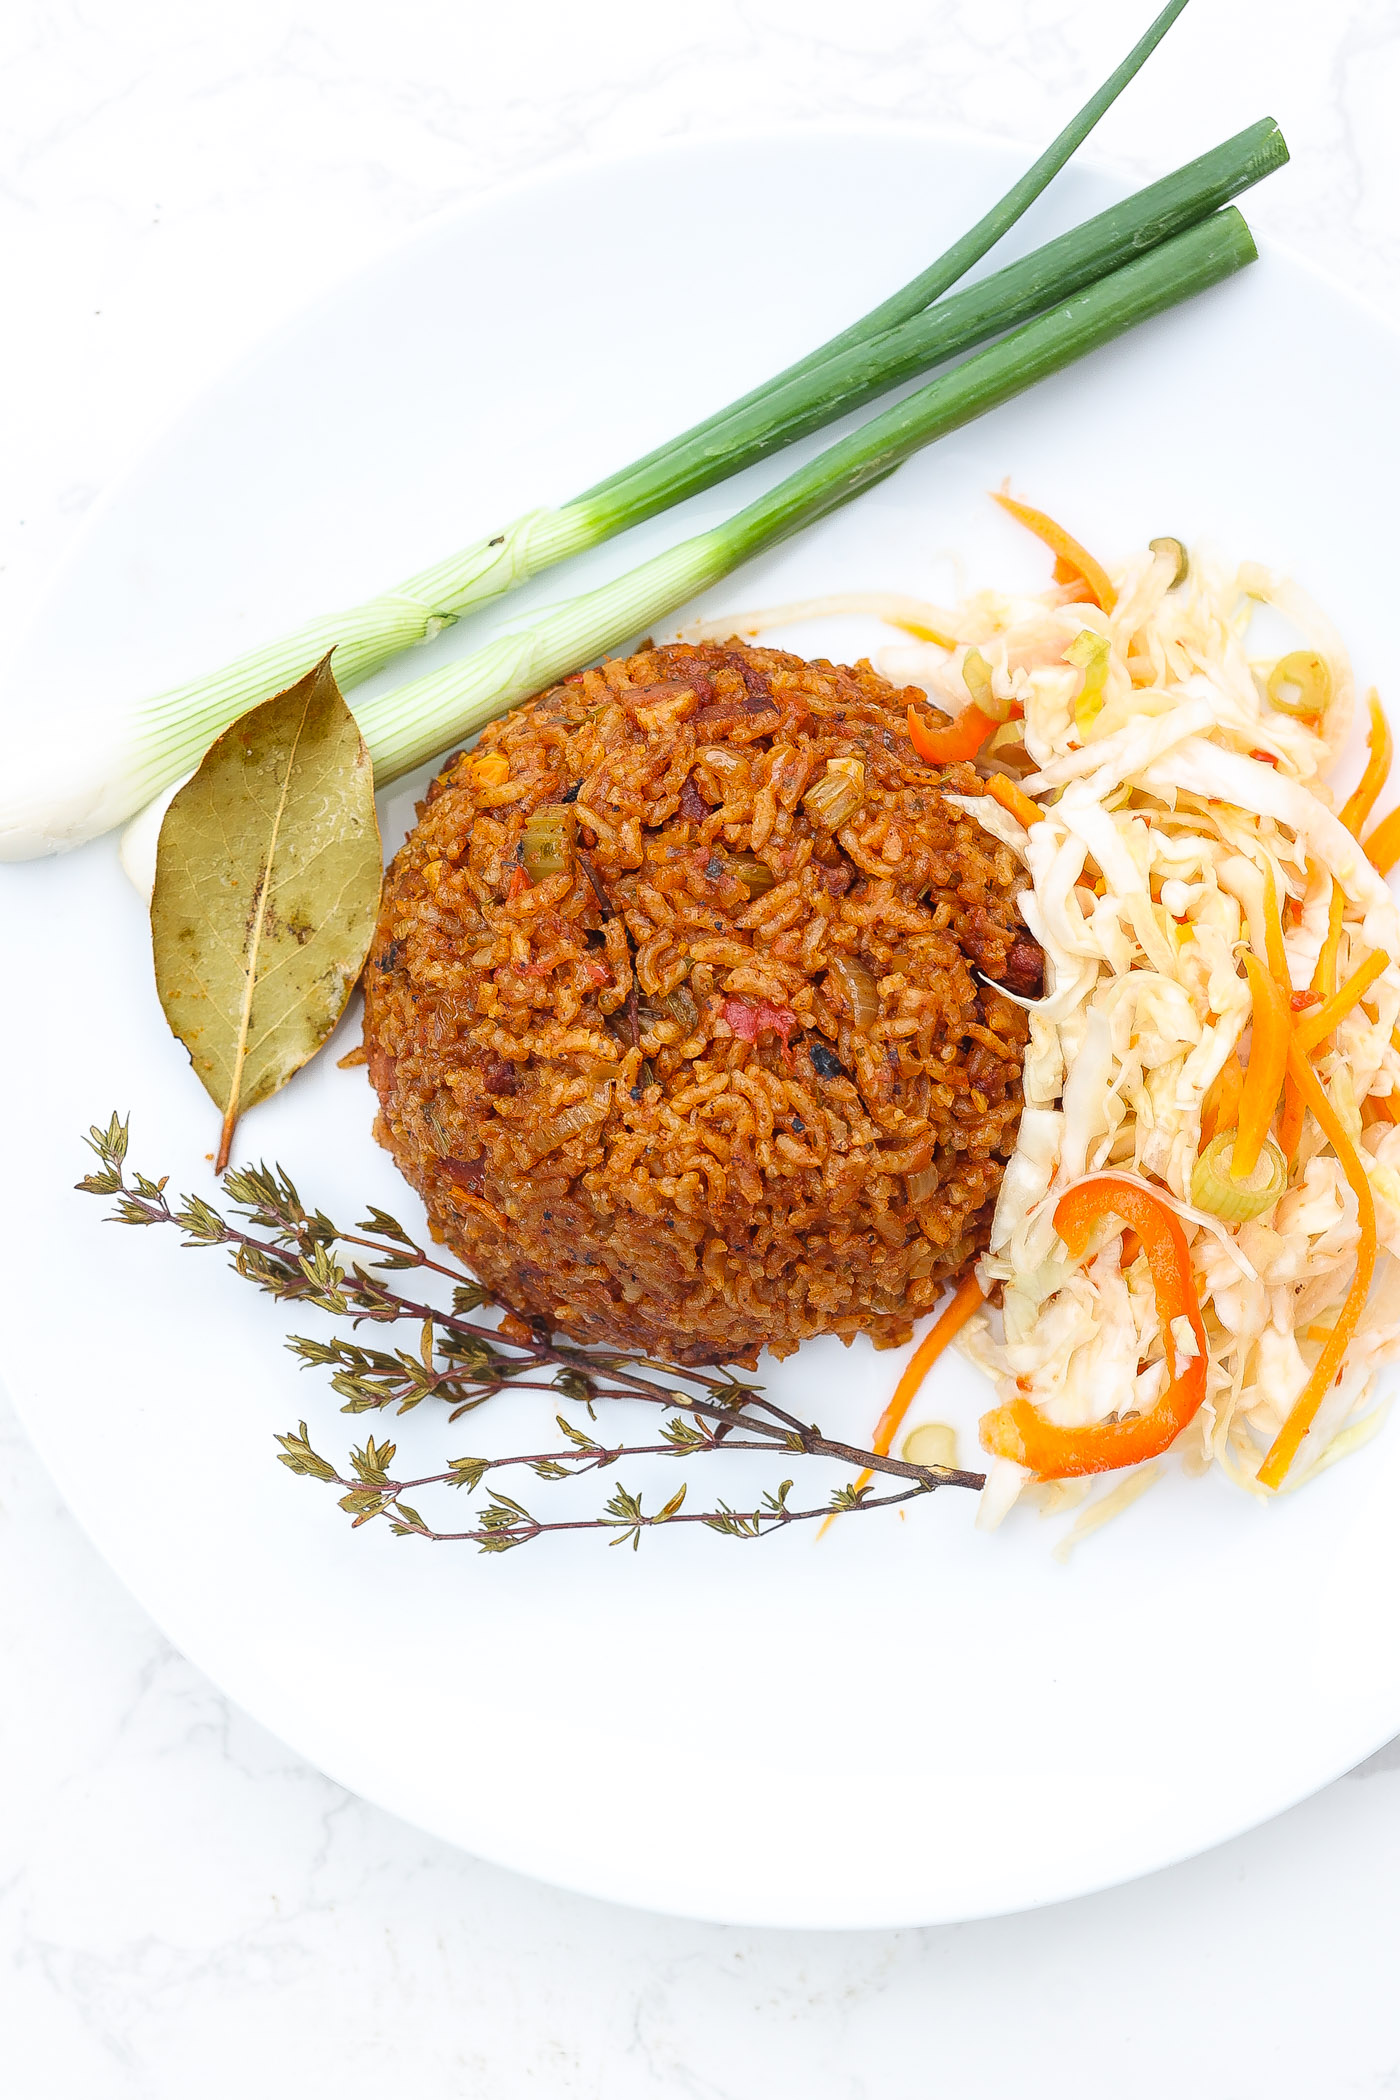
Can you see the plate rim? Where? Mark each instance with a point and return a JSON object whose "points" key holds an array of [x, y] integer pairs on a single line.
{"points": [[165, 433]]}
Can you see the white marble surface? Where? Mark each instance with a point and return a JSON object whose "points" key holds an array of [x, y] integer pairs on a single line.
{"points": [[184, 1905]]}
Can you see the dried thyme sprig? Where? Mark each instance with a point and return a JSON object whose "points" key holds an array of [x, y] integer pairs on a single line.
{"points": [[463, 1363], [504, 1522]]}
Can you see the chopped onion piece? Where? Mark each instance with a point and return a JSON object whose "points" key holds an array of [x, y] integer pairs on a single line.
{"points": [[857, 988], [836, 797]]}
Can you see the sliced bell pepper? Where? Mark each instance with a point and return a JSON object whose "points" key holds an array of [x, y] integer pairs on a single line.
{"points": [[1272, 1031], [1069, 555], [963, 738], [1020, 1432], [1284, 1449], [1380, 746]]}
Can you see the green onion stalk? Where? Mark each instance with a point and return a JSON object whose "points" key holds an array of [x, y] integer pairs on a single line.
{"points": [[171, 733], [48, 805], [416, 721]]}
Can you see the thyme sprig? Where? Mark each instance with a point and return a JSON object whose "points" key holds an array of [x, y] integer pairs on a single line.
{"points": [[293, 1254]]}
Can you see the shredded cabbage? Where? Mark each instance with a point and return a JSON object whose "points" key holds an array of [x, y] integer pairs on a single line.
{"points": [[1147, 879]]}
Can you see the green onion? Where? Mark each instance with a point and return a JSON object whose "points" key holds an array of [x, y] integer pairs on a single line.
{"points": [[836, 797], [1214, 1188], [1301, 684], [930, 284], [414, 722], [977, 677], [1090, 652], [931, 1444], [547, 842], [1173, 551], [49, 804]]}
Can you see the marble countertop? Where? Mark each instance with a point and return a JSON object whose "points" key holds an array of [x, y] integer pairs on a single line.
{"points": [[184, 1905]]}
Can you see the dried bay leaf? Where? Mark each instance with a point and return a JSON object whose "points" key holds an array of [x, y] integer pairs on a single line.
{"points": [[268, 875]]}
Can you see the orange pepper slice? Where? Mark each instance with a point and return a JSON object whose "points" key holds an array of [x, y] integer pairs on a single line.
{"points": [[1268, 1061], [963, 738], [1066, 549], [1380, 746], [1020, 1432], [1284, 1449]]}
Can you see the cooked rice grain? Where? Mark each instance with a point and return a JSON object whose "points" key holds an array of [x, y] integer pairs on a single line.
{"points": [[725, 1079]]}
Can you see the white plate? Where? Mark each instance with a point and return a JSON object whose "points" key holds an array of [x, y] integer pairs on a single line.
{"points": [[910, 1722]]}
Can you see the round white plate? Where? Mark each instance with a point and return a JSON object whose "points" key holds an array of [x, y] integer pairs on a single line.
{"points": [[910, 1721]]}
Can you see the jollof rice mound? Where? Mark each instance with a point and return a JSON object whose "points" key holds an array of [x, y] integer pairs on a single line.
{"points": [[671, 1011]]}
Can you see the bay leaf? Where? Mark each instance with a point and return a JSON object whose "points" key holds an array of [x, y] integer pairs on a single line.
{"points": [[268, 874]]}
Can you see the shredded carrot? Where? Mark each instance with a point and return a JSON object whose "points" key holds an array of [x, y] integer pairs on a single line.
{"points": [[1221, 1108], [1274, 953], [955, 1315], [1313, 1027], [1069, 555], [1268, 1061], [1383, 846], [1380, 747], [1290, 1121], [1014, 800], [925, 634], [1284, 1449], [1324, 979]]}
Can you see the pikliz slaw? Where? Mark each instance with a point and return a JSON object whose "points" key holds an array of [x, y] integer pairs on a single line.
{"points": [[1179, 812]]}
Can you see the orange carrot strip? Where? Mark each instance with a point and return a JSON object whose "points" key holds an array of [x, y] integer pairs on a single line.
{"points": [[1310, 1030], [1268, 1061], [1381, 748], [1290, 1121], [1221, 1108], [1274, 953], [955, 1314], [1284, 1449], [1383, 846], [1066, 549], [1013, 799], [1324, 978]]}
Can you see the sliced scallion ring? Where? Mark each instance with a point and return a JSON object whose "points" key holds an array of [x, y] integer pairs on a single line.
{"points": [[1090, 652], [1300, 683], [1174, 550], [1215, 1189]]}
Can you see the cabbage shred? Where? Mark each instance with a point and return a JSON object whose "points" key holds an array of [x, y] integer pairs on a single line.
{"points": [[1162, 808]]}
